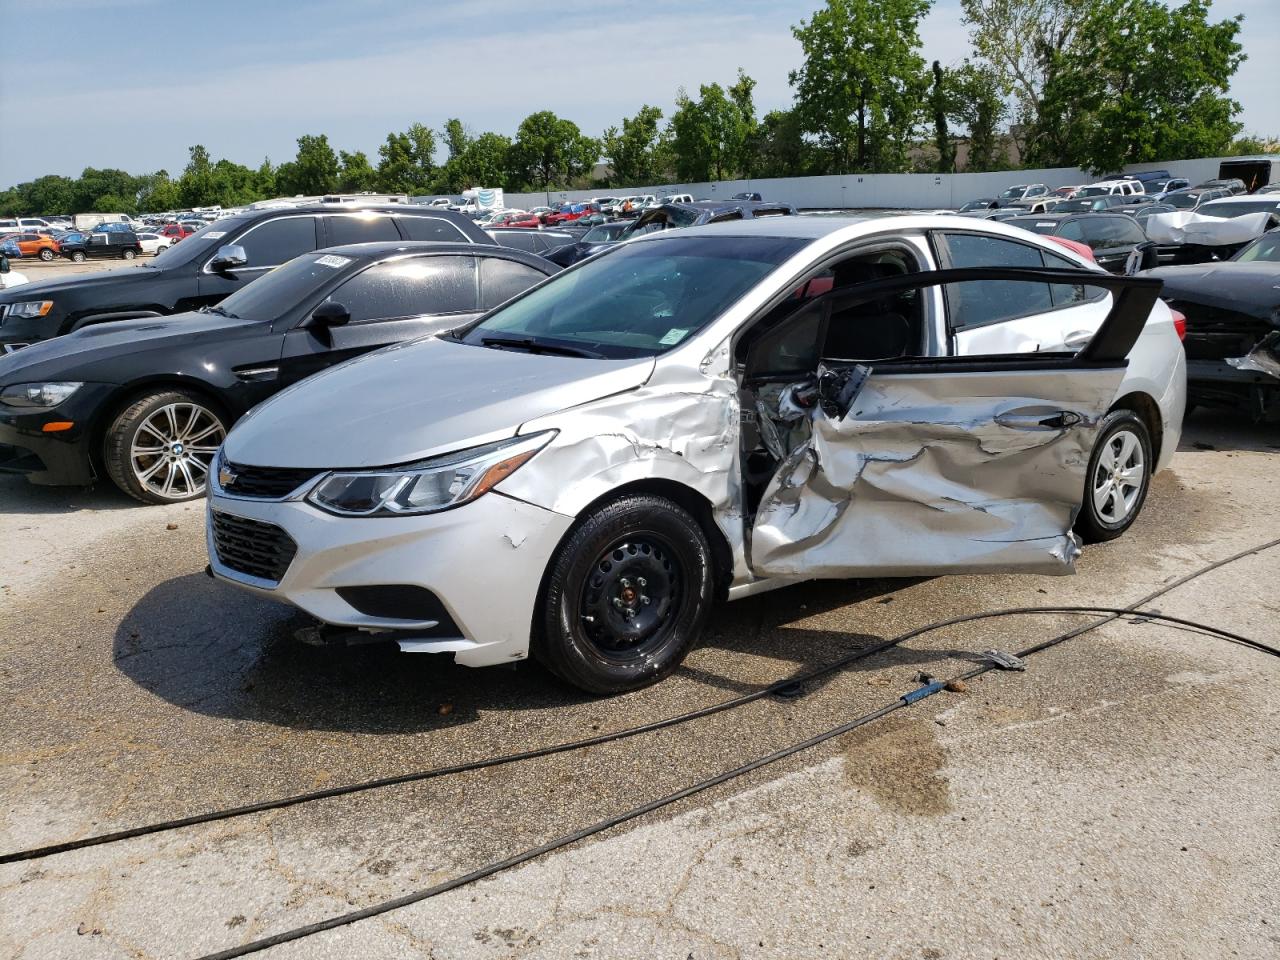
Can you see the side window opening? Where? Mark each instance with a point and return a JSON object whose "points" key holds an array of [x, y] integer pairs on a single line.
{"points": [[277, 241], [411, 287], [979, 304]]}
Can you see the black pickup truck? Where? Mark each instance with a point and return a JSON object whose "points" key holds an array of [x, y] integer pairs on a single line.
{"points": [[212, 263]]}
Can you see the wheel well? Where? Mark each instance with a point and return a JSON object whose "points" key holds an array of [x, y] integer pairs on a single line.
{"points": [[1149, 411], [128, 396]]}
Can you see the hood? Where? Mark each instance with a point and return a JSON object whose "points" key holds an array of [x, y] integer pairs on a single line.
{"points": [[417, 399], [78, 282], [1249, 288], [70, 357]]}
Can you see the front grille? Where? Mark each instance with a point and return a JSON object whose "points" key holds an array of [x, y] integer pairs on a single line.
{"points": [[1216, 334], [253, 547], [264, 482]]}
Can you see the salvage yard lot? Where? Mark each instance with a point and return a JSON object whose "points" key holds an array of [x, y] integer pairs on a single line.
{"points": [[1116, 800]]}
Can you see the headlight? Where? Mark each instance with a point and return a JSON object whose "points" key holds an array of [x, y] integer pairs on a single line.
{"points": [[429, 485], [38, 394], [31, 308]]}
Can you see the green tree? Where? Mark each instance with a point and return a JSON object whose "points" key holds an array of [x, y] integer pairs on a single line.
{"points": [[709, 134], [1142, 82], [631, 152], [1021, 41], [115, 203], [94, 184], [862, 85], [745, 124], [779, 146], [940, 99], [978, 105], [195, 186], [551, 151], [1252, 143], [313, 171], [483, 163], [355, 173], [407, 163], [456, 138], [159, 193]]}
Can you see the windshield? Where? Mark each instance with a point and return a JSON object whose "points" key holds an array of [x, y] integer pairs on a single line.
{"points": [[636, 300], [1183, 201], [1013, 193], [1074, 206], [204, 241], [604, 233], [276, 293], [1093, 192], [1232, 208], [975, 205], [1266, 249]]}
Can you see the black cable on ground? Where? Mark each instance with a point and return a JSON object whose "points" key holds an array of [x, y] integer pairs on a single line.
{"points": [[213, 816], [600, 826]]}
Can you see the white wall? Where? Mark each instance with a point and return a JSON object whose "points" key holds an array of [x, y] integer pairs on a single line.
{"points": [[917, 191]]}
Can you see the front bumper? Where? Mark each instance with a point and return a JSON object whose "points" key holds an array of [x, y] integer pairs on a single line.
{"points": [[483, 561], [52, 459], [20, 331]]}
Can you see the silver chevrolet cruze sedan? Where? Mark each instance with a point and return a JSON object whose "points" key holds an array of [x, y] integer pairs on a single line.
{"points": [[708, 413]]}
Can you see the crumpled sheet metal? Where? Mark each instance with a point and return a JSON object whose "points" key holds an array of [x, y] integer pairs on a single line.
{"points": [[1196, 228], [683, 425], [922, 477], [1263, 358]]}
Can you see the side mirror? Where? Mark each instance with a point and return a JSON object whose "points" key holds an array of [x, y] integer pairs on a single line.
{"points": [[329, 314], [229, 257]]}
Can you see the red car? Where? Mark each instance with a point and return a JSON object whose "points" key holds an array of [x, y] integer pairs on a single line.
{"points": [[533, 220], [176, 231], [571, 211]]}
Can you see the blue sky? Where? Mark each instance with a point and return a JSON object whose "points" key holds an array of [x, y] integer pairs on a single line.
{"points": [[135, 82]]}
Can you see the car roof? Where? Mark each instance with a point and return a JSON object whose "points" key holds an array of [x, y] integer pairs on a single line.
{"points": [[1243, 198], [381, 249]]}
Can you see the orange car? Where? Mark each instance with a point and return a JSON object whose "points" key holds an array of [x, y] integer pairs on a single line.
{"points": [[36, 245]]}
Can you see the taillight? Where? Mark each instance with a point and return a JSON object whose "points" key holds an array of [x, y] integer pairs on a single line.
{"points": [[1179, 323]]}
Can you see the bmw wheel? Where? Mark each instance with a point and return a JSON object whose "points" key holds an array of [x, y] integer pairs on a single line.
{"points": [[1118, 478], [627, 595], [159, 449]]}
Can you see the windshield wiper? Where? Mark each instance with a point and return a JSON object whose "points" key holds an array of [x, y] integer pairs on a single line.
{"points": [[537, 346], [222, 313]]}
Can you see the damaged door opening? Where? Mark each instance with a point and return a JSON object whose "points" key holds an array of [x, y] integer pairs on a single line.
{"points": [[927, 465]]}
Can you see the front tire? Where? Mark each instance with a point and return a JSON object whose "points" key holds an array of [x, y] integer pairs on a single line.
{"points": [[1118, 477], [128, 253], [78, 257], [627, 595], [159, 448]]}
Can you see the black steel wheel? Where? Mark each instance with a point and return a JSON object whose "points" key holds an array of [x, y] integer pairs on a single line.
{"points": [[627, 595]]}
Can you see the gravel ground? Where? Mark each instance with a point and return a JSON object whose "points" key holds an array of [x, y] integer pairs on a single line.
{"points": [[1117, 800]]}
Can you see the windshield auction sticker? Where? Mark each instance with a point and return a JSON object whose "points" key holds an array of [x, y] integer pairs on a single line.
{"points": [[329, 260]]}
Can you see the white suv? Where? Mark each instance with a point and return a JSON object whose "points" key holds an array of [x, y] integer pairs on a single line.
{"points": [[1112, 188]]}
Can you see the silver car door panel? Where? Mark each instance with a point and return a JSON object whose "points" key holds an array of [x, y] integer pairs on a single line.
{"points": [[960, 472]]}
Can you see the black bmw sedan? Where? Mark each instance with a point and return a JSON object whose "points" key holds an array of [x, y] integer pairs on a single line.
{"points": [[147, 401]]}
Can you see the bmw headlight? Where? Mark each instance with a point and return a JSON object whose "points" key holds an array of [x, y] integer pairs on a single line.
{"points": [[30, 308], [429, 485], [38, 394]]}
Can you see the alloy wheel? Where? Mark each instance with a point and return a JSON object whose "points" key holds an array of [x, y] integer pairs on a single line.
{"points": [[1118, 477], [172, 449]]}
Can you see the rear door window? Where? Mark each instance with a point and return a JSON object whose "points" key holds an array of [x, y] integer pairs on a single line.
{"points": [[500, 280], [432, 228], [410, 288], [277, 241], [360, 229], [977, 304]]}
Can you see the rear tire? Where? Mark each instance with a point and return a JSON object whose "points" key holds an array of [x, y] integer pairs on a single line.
{"points": [[128, 253], [1118, 477], [159, 448], [627, 595], [46, 255]]}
